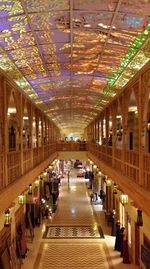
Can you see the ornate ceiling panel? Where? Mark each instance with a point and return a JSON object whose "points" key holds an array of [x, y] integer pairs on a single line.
{"points": [[71, 57]]}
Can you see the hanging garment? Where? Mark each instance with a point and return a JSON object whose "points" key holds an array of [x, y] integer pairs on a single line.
{"points": [[117, 240], [5, 260], [29, 220], [91, 175], [87, 176], [37, 214], [14, 260], [23, 241]]}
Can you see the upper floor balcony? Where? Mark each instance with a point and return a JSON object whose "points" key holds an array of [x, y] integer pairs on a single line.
{"points": [[131, 163], [71, 146]]}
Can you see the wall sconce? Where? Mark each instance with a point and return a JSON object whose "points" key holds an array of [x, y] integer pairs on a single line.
{"points": [[94, 166], [108, 182], [30, 189], [115, 189], [148, 125], [36, 183], [139, 218], [45, 174], [121, 129], [110, 131], [104, 178], [7, 221], [43, 201], [124, 199], [119, 133], [91, 162], [53, 163], [21, 199], [23, 132]]}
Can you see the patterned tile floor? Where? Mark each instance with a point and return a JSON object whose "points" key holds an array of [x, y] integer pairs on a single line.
{"points": [[74, 256], [65, 252], [73, 232]]}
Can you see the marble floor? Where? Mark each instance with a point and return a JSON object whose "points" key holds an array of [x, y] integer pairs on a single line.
{"points": [[76, 236]]}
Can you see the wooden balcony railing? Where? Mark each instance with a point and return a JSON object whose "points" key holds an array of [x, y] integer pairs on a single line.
{"points": [[127, 162], [13, 165], [35, 157], [132, 165], [71, 146], [49, 149], [27, 161], [146, 170], [19, 163], [2, 183]]}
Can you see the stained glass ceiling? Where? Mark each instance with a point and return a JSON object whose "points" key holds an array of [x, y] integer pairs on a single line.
{"points": [[71, 57]]}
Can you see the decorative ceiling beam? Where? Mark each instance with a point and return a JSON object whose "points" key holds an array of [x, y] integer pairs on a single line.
{"points": [[108, 36]]}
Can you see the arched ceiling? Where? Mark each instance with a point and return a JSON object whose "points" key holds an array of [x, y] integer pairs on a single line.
{"points": [[71, 57]]}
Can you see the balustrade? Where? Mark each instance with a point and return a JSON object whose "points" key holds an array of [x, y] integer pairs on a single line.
{"points": [[146, 170], [13, 165], [40, 154], [16, 167], [118, 159], [27, 163], [109, 151], [35, 156], [2, 183], [127, 162], [132, 164], [71, 146], [49, 149]]}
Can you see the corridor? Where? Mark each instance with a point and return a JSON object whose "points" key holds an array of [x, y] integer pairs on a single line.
{"points": [[73, 238]]}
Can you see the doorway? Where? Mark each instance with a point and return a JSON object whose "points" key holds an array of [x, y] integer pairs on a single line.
{"points": [[131, 140]]}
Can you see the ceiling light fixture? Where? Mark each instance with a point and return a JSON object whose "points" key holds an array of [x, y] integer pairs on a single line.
{"points": [[106, 26], [12, 110], [87, 25]]}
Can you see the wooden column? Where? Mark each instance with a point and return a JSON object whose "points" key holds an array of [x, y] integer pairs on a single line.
{"points": [[21, 130], [91, 132], [108, 198], [98, 129], [122, 103], [42, 136], [145, 88], [30, 112], [94, 131], [113, 132], [107, 125], [102, 133], [2, 183], [142, 126], [37, 128], [37, 133], [52, 131], [5, 128]]}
